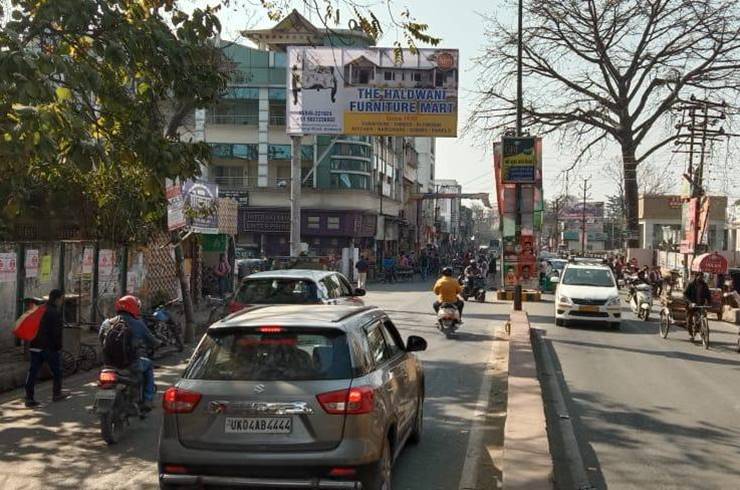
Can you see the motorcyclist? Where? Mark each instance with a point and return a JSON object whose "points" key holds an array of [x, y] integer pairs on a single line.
{"points": [[448, 290], [129, 308], [473, 270], [697, 293]]}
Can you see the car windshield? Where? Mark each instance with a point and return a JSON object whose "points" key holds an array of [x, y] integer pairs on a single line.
{"points": [[588, 277], [277, 291], [271, 354], [558, 264]]}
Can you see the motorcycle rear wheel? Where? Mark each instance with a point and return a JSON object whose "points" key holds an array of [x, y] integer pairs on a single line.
{"points": [[111, 428]]}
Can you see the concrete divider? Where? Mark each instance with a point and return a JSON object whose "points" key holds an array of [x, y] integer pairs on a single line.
{"points": [[527, 462]]}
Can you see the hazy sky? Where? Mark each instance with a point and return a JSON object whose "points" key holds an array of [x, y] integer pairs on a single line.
{"points": [[461, 26]]}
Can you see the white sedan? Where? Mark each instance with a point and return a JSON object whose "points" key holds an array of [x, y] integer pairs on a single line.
{"points": [[587, 293]]}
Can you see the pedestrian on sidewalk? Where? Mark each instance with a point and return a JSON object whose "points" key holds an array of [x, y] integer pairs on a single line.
{"points": [[223, 269], [362, 266], [46, 348]]}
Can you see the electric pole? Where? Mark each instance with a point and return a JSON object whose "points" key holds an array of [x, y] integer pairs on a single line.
{"points": [[585, 187], [295, 197], [519, 110]]}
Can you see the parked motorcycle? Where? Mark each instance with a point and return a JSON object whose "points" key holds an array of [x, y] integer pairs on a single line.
{"points": [[164, 327], [119, 397], [448, 319], [641, 300]]}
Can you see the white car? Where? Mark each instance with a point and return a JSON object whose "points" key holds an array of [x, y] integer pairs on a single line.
{"points": [[587, 293]]}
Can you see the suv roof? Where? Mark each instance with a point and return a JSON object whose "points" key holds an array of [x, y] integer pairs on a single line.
{"points": [[318, 316], [291, 274], [587, 265]]}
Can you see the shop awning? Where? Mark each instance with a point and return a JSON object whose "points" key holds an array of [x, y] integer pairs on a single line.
{"points": [[713, 263]]}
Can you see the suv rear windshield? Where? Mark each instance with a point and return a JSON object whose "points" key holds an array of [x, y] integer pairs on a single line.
{"points": [[588, 277], [277, 291], [271, 354]]}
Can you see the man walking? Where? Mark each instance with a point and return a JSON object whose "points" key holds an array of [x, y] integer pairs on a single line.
{"points": [[46, 348], [362, 267], [222, 274]]}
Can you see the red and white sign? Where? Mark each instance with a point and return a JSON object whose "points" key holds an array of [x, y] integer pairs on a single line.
{"points": [[32, 263], [105, 262], [8, 266], [175, 208], [87, 260], [712, 263]]}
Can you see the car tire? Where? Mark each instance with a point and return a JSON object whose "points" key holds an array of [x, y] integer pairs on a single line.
{"points": [[416, 432], [615, 325], [559, 322], [379, 474]]}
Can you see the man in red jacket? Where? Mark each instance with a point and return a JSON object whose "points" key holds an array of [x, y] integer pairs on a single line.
{"points": [[46, 348]]}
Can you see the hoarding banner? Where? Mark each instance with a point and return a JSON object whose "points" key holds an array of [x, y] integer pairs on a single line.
{"points": [[370, 91], [519, 160], [175, 207], [200, 199]]}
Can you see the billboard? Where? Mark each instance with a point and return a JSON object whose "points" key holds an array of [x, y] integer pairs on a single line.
{"points": [[518, 160], [200, 202], [371, 91]]}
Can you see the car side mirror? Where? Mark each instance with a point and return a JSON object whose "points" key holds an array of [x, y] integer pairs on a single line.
{"points": [[555, 279], [415, 344], [359, 292]]}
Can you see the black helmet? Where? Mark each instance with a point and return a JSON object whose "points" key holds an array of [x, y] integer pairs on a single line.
{"points": [[447, 271]]}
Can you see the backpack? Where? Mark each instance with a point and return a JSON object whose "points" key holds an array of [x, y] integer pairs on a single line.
{"points": [[118, 348]]}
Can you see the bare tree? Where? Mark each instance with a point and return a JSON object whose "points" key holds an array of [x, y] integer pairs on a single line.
{"points": [[599, 71]]}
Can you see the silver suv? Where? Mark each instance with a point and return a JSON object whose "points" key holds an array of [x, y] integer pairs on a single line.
{"points": [[294, 397]]}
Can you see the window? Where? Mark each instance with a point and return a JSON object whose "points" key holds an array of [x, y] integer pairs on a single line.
{"points": [[588, 277], [278, 152], [349, 181], [363, 76], [332, 223], [377, 345], [313, 222], [331, 287], [344, 286], [277, 291], [392, 338], [417, 77], [228, 171], [291, 354], [389, 75]]}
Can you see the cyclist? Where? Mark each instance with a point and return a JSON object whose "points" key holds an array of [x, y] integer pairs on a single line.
{"points": [[697, 294]]}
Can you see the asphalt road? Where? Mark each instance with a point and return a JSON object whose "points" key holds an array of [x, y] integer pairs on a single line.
{"points": [[648, 412], [58, 445]]}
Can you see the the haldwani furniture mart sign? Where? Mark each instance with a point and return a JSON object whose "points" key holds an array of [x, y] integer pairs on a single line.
{"points": [[371, 91]]}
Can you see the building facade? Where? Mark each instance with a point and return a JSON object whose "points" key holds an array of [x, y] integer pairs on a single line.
{"points": [[660, 222], [355, 188]]}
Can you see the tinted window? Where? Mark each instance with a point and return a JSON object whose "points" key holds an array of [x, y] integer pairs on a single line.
{"points": [[277, 291], [588, 277], [332, 287], [344, 286], [378, 347], [392, 338], [289, 355]]}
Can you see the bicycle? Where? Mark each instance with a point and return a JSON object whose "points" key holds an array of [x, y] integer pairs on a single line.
{"points": [[699, 317]]}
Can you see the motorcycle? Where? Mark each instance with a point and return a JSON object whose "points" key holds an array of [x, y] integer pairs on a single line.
{"points": [[120, 396], [475, 287], [641, 300], [164, 327], [448, 319]]}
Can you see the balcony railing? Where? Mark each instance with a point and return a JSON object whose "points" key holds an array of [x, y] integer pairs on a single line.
{"points": [[277, 119], [251, 183], [236, 119]]}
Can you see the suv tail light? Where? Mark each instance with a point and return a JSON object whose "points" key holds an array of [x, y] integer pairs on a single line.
{"points": [[353, 401], [107, 379], [235, 306], [176, 400]]}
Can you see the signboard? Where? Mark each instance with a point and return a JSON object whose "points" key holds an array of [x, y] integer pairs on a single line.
{"points": [[175, 208], [105, 262], [45, 268], [518, 160], [200, 199], [8, 266], [712, 263], [32, 263], [264, 221], [87, 260], [371, 91], [690, 228], [575, 211], [241, 197]]}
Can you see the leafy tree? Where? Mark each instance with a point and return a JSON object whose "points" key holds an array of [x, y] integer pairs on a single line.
{"points": [[92, 96], [599, 71]]}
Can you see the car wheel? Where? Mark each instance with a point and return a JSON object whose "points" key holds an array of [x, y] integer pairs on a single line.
{"points": [[615, 325], [379, 474], [415, 437], [559, 322]]}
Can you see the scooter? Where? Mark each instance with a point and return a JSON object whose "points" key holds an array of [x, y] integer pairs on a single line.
{"points": [[641, 300], [120, 396], [448, 319]]}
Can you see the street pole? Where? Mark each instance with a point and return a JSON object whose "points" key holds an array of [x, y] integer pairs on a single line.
{"points": [[585, 188], [519, 106], [295, 196]]}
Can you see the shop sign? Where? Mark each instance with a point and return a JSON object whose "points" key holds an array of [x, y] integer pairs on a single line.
{"points": [[274, 221], [519, 160], [241, 197], [200, 200], [175, 208]]}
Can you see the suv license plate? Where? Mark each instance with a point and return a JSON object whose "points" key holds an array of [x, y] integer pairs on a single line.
{"points": [[589, 308], [258, 425]]}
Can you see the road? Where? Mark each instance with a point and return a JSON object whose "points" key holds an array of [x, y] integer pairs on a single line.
{"points": [[58, 445], [647, 412]]}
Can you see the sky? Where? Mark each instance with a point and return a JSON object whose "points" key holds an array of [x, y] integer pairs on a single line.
{"points": [[461, 25]]}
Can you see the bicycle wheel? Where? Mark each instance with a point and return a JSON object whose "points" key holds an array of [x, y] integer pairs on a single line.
{"points": [[665, 324], [88, 357], [704, 332], [69, 364]]}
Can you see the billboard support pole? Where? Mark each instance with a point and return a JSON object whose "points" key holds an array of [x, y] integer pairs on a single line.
{"points": [[295, 196], [518, 192]]}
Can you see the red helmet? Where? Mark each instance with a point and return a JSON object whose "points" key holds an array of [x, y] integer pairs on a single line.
{"points": [[129, 304]]}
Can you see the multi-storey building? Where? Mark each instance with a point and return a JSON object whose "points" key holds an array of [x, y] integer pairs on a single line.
{"points": [[354, 187]]}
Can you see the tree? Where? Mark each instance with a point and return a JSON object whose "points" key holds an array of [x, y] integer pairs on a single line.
{"points": [[92, 94], [599, 71]]}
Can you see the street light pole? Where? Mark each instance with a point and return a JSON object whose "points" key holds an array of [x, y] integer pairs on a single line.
{"points": [[295, 196], [519, 105]]}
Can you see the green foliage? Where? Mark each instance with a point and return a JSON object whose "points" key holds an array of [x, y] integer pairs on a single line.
{"points": [[92, 93]]}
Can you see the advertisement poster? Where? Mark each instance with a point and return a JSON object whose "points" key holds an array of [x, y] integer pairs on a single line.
{"points": [[88, 254], [527, 254], [371, 91], [175, 207], [518, 160], [8, 267], [106, 262], [201, 199], [32, 263], [511, 248], [527, 275], [45, 268], [510, 275]]}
